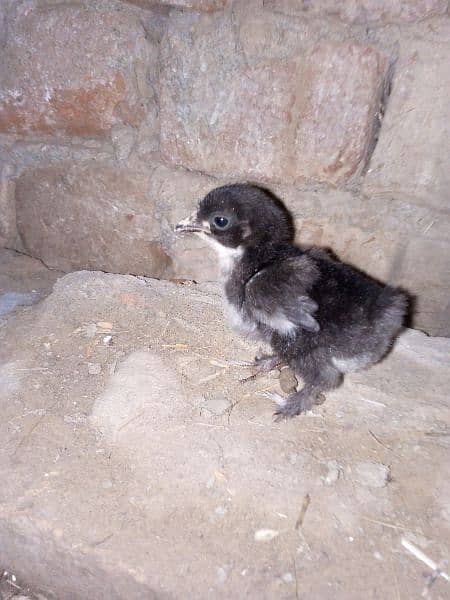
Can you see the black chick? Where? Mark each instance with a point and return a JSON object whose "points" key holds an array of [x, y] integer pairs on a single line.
{"points": [[324, 318]]}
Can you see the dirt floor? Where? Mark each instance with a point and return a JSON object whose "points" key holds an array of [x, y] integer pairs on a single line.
{"points": [[134, 464]]}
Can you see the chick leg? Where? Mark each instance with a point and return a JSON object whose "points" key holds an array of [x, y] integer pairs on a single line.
{"points": [[262, 364], [317, 381]]}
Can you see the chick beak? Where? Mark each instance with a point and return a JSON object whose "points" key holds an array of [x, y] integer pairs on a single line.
{"points": [[192, 225]]}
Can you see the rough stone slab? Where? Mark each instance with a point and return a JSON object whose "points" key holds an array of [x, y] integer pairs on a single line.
{"points": [[266, 35], [337, 118], [8, 226], [68, 68], [23, 280], [84, 215], [21, 153], [176, 193], [412, 157], [201, 5], [425, 271], [217, 115], [123, 486], [377, 12], [3, 14]]}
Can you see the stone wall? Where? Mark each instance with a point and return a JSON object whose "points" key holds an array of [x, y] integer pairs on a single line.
{"points": [[116, 117]]}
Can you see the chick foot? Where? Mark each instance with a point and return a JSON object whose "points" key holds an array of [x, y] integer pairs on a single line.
{"points": [[261, 365], [295, 404]]}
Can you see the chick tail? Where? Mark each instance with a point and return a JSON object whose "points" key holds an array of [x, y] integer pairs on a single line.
{"points": [[390, 311]]}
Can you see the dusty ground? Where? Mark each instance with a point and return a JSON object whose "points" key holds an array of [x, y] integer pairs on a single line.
{"points": [[134, 464]]}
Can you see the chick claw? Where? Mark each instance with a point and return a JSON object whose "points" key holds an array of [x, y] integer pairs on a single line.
{"points": [[261, 365], [295, 404]]}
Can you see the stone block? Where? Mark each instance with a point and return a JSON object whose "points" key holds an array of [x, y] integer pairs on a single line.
{"points": [[264, 35], [201, 5], [84, 216], [343, 85], [8, 229], [412, 157], [365, 11], [71, 69], [308, 118], [370, 250], [176, 194], [425, 273]]}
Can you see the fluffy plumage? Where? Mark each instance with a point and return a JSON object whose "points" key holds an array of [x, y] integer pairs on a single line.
{"points": [[321, 316]]}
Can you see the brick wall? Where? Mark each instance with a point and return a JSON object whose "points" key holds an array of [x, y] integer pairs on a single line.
{"points": [[116, 117]]}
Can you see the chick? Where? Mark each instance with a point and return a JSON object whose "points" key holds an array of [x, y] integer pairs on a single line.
{"points": [[320, 316]]}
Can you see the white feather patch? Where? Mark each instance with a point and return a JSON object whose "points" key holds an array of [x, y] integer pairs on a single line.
{"points": [[234, 318], [346, 365], [227, 256], [277, 321]]}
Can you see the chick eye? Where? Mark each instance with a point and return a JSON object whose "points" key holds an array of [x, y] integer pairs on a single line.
{"points": [[221, 222]]}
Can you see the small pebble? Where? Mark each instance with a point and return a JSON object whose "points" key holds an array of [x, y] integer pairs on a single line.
{"points": [[333, 472], [293, 458], [108, 340], [265, 535], [445, 513], [287, 578], [216, 406], [221, 574], [372, 474], [90, 330], [221, 510], [94, 368]]}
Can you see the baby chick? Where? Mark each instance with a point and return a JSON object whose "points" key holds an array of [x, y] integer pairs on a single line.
{"points": [[324, 318]]}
